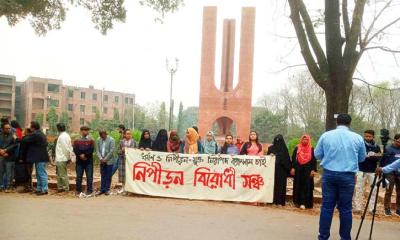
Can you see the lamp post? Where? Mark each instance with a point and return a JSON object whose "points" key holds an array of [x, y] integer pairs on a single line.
{"points": [[171, 70]]}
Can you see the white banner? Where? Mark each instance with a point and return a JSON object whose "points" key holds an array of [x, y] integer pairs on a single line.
{"points": [[203, 177]]}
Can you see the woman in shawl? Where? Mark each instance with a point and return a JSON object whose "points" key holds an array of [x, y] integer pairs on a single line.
{"points": [[160, 143], [191, 146], [145, 141], [229, 147], [282, 168], [210, 145], [174, 142], [126, 142], [304, 168], [252, 147]]}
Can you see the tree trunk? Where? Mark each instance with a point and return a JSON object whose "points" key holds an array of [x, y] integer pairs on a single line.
{"points": [[337, 95]]}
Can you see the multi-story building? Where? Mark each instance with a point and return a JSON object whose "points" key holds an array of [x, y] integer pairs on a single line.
{"points": [[37, 95], [7, 96]]}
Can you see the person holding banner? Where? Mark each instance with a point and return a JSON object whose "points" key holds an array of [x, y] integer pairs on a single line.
{"points": [[282, 168], [210, 145], [174, 142], [126, 142], [160, 144], [191, 142], [304, 168], [229, 147], [252, 147], [145, 141]]}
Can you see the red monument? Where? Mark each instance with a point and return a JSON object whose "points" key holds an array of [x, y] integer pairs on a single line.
{"points": [[226, 105]]}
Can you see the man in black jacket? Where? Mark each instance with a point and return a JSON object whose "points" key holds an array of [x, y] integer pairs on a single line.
{"points": [[367, 171], [36, 152], [7, 156], [391, 154]]}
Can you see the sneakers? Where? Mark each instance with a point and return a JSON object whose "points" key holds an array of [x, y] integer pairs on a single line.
{"points": [[302, 207], [41, 193], [89, 194], [397, 213], [388, 213]]}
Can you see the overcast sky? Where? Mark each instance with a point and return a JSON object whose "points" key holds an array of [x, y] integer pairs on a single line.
{"points": [[131, 57]]}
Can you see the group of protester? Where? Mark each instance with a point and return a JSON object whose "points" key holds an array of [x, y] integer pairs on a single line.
{"points": [[344, 156]]}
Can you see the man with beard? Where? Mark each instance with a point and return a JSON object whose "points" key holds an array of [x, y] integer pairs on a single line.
{"points": [[367, 171]]}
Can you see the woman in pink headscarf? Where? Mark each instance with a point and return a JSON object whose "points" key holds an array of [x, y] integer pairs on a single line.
{"points": [[304, 168]]}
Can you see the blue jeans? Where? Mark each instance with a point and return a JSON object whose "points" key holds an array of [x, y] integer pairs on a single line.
{"points": [[87, 167], [9, 174], [115, 166], [106, 175], [41, 176], [337, 190], [2, 173]]}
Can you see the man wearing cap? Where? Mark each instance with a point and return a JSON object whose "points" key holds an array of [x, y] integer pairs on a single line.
{"points": [[83, 149], [105, 146]]}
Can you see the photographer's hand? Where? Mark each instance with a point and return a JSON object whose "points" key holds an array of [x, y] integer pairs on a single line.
{"points": [[379, 171]]}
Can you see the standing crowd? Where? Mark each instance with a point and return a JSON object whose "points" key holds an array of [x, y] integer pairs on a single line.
{"points": [[347, 160]]}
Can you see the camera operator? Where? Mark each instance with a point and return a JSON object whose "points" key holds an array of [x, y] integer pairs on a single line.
{"points": [[391, 154], [367, 171]]}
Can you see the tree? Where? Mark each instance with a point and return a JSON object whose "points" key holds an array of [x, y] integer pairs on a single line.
{"points": [[268, 124], [64, 118], [162, 117], [128, 117], [46, 15], [179, 124], [39, 118], [52, 118], [345, 43]]}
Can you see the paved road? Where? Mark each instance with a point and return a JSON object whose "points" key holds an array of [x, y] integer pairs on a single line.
{"points": [[26, 217]]}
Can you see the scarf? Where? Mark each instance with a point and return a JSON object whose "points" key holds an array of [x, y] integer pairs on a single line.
{"points": [[191, 141], [210, 146], [174, 142], [304, 151]]}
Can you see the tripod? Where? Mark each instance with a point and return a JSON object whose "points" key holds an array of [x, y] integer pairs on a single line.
{"points": [[376, 183]]}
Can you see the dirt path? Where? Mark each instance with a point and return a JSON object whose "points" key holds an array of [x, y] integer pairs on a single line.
{"points": [[28, 217]]}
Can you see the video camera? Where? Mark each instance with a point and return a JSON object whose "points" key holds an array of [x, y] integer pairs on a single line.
{"points": [[384, 136]]}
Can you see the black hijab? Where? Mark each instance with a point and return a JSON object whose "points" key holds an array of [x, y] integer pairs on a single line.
{"points": [[160, 144], [145, 143], [281, 152]]}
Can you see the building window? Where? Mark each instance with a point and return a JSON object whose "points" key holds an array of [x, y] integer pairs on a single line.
{"points": [[126, 100], [70, 120], [82, 121], [83, 95], [53, 103], [105, 98], [105, 110], [53, 88], [94, 97], [70, 93], [131, 101], [70, 107], [82, 108], [116, 99], [94, 109]]}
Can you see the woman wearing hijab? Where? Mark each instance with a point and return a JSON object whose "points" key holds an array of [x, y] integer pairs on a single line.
{"points": [[174, 142], [282, 168], [145, 141], [191, 146], [252, 147], [210, 145], [304, 168], [229, 147], [160, 144]]}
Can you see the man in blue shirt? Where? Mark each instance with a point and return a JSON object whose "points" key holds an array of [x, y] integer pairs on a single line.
{"points": [[340, 151], [393, 167]]}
